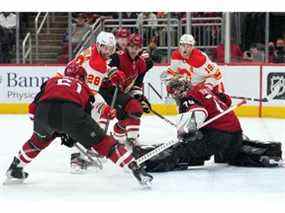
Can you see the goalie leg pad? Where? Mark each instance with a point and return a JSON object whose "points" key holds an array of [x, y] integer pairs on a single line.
{"points": [[259, 154], [272, 149]]}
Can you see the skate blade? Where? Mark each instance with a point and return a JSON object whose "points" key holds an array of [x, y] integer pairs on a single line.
{"points": [[74, 169], [146, 183], [13, 181]]}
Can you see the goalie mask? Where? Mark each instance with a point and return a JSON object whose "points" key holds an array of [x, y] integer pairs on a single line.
{"points": [[178, 87]]}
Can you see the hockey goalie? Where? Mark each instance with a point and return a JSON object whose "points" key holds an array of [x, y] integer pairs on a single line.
{"points": [[223, 138]]}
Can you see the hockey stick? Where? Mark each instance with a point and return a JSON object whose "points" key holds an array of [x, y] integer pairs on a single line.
{"points": [[112, 107], [274, 93], [163, 118], [250, 99], [165, 146], [96, 162]]}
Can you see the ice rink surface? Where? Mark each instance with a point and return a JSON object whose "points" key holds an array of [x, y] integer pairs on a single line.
{"points": [[51, 184]]}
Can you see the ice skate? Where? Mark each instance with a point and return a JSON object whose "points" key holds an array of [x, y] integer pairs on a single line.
{"points": [[15, 173], [78, 164], [141, 175]]}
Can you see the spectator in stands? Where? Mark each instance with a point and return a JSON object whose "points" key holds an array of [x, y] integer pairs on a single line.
{"points": [[279, 53], [7, 35], [107, 15], [90, 18], [151, 30], [153, 51], [79, 29], [271, 49], [219, 53], [129, 15], [255, 53]]}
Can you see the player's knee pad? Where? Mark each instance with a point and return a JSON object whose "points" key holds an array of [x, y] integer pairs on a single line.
{"points": [[134, 109]]}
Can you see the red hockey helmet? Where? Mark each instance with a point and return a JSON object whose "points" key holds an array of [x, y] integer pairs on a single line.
{"points": [[122, 33], [135, 39], [75, 70]]}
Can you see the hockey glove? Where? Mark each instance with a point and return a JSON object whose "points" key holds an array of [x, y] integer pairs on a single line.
{"points": [[145, 104], [108, 113], [137, 93], [117, 77], [32, 110], [225, 98], [66, 140]]}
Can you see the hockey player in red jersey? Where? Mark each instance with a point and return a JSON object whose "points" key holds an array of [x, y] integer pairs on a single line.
{"points": [[194, 64], [130, 68], [122, 35], [63, 106], [222, 138]]}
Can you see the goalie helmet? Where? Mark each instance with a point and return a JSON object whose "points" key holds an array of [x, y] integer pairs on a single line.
{"points": [[178, 87]]}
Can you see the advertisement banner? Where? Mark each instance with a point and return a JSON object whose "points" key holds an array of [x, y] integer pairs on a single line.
{"points": [[19, 84], [242, 81], [238, 81], [274, 85]]}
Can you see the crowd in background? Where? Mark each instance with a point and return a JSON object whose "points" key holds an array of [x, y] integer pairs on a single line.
{"points": [[249, 49], [7, 36]]}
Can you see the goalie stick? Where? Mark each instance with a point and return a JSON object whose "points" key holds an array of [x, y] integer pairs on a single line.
{"points": [[250, 99], [165, 146], [275, 91]]}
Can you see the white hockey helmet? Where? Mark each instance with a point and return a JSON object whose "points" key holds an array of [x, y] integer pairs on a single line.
{"points": [[187, 39], [107, 39]]}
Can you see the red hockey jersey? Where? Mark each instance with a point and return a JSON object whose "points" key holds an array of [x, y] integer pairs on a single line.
{"points": [[66, 88], [133, 69], [201, 98]]}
